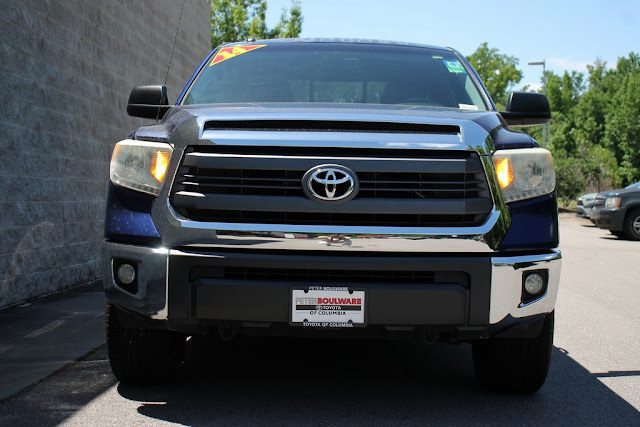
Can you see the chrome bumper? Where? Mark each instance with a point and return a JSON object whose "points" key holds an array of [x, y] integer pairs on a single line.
{"points": [[506, 281], [506, 285]]}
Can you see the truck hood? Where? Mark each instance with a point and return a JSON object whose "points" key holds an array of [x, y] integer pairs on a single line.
{"points": [[473, 130], [620, 192]]}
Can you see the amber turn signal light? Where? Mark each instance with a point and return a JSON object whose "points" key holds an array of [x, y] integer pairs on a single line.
{"points": [[159, 165], [504, 172]]}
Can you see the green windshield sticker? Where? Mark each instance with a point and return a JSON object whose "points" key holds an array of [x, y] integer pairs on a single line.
{"points": [[453, 66], [437, 57]]}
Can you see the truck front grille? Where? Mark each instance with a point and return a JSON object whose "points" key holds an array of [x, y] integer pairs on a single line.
{"points": [[422, 190]]}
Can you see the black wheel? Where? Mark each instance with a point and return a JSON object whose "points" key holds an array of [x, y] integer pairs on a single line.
{"points": [[516, 365], [632, 224], [142, 356]]}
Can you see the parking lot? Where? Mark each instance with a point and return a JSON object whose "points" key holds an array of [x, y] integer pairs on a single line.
{"points": [[594, 377]]}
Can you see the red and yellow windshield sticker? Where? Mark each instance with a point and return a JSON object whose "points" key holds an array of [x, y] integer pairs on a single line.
{"points": [[230, 52]]}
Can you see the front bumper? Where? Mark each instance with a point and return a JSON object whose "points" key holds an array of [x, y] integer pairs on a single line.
{"points": [[610, 219], [583, 210], [186, 289]]}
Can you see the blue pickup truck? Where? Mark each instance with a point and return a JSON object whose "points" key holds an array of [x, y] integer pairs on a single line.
{"points": [[333, 188]]}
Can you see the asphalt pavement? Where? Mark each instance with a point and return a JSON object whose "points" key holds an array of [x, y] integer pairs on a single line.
{"points": [[39, 337], [594, 377]]}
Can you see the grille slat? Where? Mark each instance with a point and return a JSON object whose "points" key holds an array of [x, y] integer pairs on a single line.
{"points": [[463, 182], [202, 177], [225, 185], [435, 190]]}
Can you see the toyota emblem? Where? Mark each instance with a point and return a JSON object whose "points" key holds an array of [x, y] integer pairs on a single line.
{"points": [[330, 183]]}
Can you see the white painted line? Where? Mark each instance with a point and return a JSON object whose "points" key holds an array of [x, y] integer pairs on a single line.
{"points": [[50, 327], [4, 348]]}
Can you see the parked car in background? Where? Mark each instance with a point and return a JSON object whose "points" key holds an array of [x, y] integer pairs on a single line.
{"points": [[585, 204], [619, 211]]}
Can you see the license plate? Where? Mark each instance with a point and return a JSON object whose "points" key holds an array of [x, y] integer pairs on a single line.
{"points": [[327, 307]]}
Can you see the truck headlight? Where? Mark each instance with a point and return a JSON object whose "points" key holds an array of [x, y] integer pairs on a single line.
{"points": [[611, 202], [524, 173], [140, 165]]}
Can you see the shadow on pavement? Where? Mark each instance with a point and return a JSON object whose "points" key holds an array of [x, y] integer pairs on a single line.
{"points": [[60, 395], [311, 382]]}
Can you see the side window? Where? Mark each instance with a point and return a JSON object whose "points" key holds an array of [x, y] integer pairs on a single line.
{"points": [[472, 92]]}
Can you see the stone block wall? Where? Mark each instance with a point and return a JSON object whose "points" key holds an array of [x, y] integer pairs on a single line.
{"points": [[67, 67]]}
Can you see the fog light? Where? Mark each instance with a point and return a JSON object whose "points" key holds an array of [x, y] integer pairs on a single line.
{"points": [[126, 274], [534, 283]]}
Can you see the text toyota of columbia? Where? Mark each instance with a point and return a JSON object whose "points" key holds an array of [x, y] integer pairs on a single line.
{"points": [[333, 188]]}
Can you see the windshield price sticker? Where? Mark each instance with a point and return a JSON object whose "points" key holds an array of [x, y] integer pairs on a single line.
{"points": [[454, 66], [327, 307], [231, 52]]}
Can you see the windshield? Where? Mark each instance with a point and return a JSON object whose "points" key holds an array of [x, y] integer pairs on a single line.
{"points": [[336, 73], [634, 185]]}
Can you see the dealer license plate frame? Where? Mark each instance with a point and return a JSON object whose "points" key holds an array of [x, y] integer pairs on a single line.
{"points": [[330, 291]]}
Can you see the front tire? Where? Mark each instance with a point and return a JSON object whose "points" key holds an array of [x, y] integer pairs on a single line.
{"points": [[632, 224], [142, 356], [515, 365]]}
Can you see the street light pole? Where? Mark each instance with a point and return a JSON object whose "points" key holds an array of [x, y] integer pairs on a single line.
{"points": [[546, 130]]}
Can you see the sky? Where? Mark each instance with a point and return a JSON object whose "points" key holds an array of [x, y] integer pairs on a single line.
{"points": [[568, 35]]}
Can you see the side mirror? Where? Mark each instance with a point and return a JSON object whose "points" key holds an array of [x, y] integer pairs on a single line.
{"points": [[527, 109], [149, 102]]}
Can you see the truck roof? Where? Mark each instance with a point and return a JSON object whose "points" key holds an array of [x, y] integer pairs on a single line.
{"points": [[337, 41]]}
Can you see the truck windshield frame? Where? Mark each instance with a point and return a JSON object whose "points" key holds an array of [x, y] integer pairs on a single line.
{"points": [[337, 73]]}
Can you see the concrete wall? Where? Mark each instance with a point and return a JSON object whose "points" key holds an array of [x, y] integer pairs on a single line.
{"points": [[67, 67]]}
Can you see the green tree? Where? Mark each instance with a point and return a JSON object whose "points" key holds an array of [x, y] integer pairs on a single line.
{"points": [[569, 178], [564, 91], [622, 127], [498, 71], [599, 167], [237, 20]]}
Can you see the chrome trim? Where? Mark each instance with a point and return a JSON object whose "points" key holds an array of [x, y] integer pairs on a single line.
{"points": [[524, 304], [330, 182], [325, 237], [163, 314], [506, 285], [177, 252], [471, 137], [462, 232]]}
